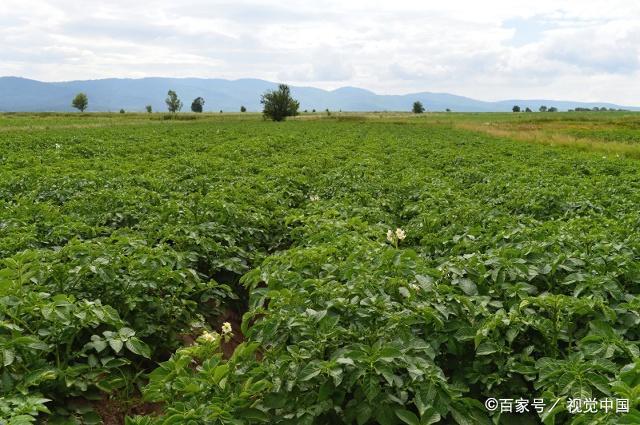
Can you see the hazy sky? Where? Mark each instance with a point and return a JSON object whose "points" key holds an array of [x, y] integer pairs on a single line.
{"points": [[579, 50]]}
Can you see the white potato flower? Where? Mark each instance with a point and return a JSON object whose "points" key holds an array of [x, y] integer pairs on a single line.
{"points": [[390, 236], [314, 198], [226, 328], [400, 234], [209, 336]]}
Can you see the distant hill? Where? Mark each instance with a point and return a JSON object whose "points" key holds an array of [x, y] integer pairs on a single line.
{"points": [[24, 95]]}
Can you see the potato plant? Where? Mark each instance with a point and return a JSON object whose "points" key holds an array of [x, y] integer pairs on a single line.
{"points": [[390, 273]]}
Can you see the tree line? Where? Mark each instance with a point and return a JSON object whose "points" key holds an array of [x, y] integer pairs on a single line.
{"points": [[516, 108], [543, 108], [277, 104]]}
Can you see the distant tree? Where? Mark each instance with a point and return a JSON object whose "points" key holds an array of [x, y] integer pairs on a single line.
{"points": [[220, 110], [515, 108], [328, 112], [148, 108], [80, 102], [543, 108], [448, 110], [278, 104], [528, 109], [417, 107], [305, 111], [553, 109], [122, 111], [313, 110], [243, 109], [173, 103], [197, 105]]}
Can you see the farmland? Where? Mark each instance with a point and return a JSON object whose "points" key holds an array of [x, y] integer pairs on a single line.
{"points": [[130, 243]]}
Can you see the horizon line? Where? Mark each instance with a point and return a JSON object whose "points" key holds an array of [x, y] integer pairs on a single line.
{"points": [[317, 88]]}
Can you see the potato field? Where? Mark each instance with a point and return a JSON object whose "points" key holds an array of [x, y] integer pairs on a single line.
{"points": [[344, 269]]}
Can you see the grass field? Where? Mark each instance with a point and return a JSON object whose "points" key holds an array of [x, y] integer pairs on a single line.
{"points": [[343, 269]]}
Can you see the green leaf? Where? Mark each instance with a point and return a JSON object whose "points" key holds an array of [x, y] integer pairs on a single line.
{"points": [[371, 387], [385, 415], [220, 372], [486, 348], [91, 418], [99, 344], [252, 415], [407, 417], [138, 347], [310, 371], [429, 417], [467, 286], [345, 361], [8, 356], [116, 344]]}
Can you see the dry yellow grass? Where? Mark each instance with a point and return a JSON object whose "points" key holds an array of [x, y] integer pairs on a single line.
{"points": [[535, 134]]}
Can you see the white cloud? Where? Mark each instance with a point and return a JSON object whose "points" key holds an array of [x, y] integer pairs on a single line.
{"points": [[494, 49]]}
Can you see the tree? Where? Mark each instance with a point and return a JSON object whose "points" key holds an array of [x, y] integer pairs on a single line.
{"points": [[515, 108], [543, 109], [80, 102], [173, 103], [553, 109], [528, 109], [417, 107], [278, 104], [243, 109], [197, 104], [148, 108], [448, 110], [122, 111]]}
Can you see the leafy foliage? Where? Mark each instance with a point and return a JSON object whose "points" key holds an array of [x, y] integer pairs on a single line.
{"points": [[80, 102], [278, 104], [174, 104], [197, 105], [511, 271]]}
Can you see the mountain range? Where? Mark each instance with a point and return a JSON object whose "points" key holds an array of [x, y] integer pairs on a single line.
{"points": [[111, 94]]}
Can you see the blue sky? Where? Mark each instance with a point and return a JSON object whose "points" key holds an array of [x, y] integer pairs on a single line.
{"points": [[579, 50]]}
